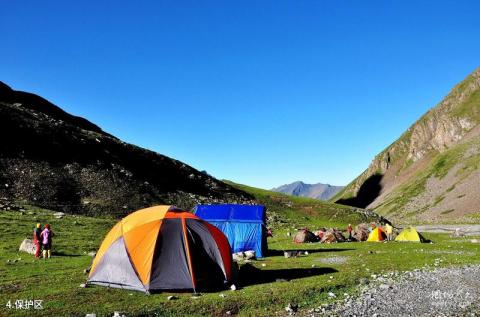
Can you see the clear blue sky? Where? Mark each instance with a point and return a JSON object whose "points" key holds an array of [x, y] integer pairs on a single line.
{"points": [[259, 92]]}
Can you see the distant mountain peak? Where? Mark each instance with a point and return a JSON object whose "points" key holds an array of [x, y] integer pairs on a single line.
{"points": [[318, 191]]}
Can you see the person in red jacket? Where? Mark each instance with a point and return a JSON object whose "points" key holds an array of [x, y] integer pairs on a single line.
{"points": [[349, 230], [36, 239]]}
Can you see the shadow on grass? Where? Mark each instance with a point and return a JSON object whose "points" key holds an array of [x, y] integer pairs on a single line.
{"points": [[250, 275], [61, 253], [301, 252]]}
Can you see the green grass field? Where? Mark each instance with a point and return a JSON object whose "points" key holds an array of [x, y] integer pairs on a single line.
{"points": [[265, 286]]}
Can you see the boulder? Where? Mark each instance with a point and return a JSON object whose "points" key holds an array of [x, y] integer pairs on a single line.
{"points": [[28, 246], [250, 255], [59, 215], [239, 256], [304, 236], [320, 233], [361, 232], [458, 233], [333, 236]]}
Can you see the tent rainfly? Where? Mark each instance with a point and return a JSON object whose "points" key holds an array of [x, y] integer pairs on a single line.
{"points": [[162, 248], [410, 234], [244, 225], [377, 234]]}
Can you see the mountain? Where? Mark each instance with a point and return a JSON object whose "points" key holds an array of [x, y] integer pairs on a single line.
{"points": [[432, 172], [55, 160], [317, 191], [290, 212]]}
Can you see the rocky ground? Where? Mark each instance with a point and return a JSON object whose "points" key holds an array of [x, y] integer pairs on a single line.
{"points": [[467, 230], [442, 292]]}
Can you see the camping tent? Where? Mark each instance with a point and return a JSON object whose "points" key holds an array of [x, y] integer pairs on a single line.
{"points": [[162, 248], [244, 225], [410, 234], [377, 234]]}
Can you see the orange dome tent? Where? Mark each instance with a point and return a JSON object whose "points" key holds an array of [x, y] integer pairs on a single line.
{"points": [[162, 248], [377, 234]]}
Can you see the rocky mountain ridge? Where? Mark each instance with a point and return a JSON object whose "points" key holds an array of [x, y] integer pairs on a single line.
{"points": [[58, 161], [444, 140]]}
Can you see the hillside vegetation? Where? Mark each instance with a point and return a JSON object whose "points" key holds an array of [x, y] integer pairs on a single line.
{"points": [[431, 173]]}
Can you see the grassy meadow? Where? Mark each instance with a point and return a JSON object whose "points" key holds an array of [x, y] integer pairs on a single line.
{"points": [[265, 286]]}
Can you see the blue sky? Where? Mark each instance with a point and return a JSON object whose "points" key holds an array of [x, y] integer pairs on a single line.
{"points": [[259, 92]]}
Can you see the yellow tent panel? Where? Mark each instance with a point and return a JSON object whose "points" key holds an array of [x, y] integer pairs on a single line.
{"points": [[377, 234], [410, 234]]}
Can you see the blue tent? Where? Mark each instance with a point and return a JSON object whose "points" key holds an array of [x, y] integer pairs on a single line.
{"points": [[244, 225]]}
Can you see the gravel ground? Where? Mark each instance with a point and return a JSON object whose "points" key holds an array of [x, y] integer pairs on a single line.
{"points": [[469, 230], [333, 260], [442, 292]]}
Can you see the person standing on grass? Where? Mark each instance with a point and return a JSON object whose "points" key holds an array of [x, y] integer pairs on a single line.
{"points": [[349, 230], [36, 239], [389, 232], [46, 235]]}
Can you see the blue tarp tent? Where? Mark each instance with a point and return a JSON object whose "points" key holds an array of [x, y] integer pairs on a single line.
{"points": [[244, 225]]}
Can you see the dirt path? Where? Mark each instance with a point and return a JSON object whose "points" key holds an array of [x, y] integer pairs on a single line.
{"points": [[470, 230]]}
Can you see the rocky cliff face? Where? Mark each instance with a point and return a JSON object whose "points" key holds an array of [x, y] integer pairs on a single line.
{"points": [[55, 160], [429, 149]]}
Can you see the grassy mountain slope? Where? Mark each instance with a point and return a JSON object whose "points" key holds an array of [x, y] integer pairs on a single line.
{"points": [[429, 174]]}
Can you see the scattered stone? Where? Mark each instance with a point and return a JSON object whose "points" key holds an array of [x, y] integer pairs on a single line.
{"points": [[442, 292], [281, 280], [239, 256], [28, 246], [222, 295], [233, 287], [171, 297], [250, 255], [458, 233], [291, 308], [59, 215], [364, 281], [92, 254], [334, 260], [91, 315], [331, 295]]}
